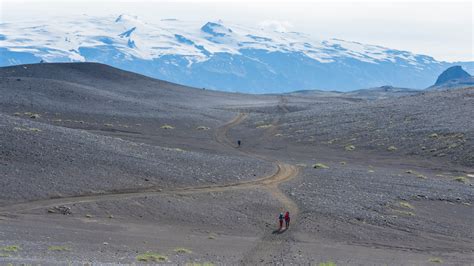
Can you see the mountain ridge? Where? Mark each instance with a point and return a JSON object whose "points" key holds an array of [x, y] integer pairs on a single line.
{"points": [[454, 72], [218, 55]]}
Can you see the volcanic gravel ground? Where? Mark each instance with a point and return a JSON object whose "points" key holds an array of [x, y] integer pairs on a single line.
{"points": [[146, 165], [40, 161], [428, 125]]}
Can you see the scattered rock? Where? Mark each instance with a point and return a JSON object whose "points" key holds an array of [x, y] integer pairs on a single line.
{"points": [[60, 209]]}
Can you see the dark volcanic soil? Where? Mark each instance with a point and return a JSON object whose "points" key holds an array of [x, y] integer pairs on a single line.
{"points": [[140, 165]]}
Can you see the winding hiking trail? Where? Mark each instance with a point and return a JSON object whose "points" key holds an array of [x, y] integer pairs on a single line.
{"points": [[283, 173], [270, 245]]}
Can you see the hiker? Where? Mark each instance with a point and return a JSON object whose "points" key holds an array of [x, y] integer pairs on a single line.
{"points": [[238, 143], [287, 220], [280, 218]]}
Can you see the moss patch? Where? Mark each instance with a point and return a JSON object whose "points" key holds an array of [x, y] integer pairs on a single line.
{"points": [[182, 250], [405, 204], [435, 260], [350, 147], [461, 179], [406, 213], [59, 248], [320, 166], [392, 148], [13, 248], [167, 127], [328, 263], [32, 129], [151, 257]]}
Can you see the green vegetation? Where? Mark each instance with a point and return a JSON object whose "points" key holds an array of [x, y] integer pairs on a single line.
{"points": [[435, 260], [328, 263], [88, 216], [32, 129], [320, 166], [407, 213], [182, 250], [434, 136], [59, 248], [350, 147], [343, 163], [202, 128], [166, 126], [151, 257], [108, 125], [174, 149], [199, 264], [407, 205], [409, 171], [13, 248], [30, 114], [392, 148], [461, 179], [4, 255], [421, 176], [452, 146], [264, 126], [332, 141]]}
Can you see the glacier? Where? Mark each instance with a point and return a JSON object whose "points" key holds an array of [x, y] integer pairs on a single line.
{"points": [[217, 55]]}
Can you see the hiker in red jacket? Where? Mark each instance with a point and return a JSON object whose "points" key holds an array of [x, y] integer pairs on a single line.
{"points": [[287, 220]]}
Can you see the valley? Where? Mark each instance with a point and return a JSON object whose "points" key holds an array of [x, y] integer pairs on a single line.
{"points": [[101, 165]]}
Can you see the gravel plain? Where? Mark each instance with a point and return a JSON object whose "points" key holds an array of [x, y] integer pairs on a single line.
{"points": [[392, 183]]}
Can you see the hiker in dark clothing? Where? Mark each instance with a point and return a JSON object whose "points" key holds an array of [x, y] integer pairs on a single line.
{"points": [[287, 220], [280, 219]]}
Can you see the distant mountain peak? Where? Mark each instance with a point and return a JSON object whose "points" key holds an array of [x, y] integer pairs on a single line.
{"points": [[216, 29], [126, 34], [125, 17], [454, 72]]}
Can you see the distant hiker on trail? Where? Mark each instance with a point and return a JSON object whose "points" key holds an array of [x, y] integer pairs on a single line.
{"points": [[238, 143], [280, 219], [287, 220]]}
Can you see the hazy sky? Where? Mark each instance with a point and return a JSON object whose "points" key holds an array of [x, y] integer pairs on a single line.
{"points": [[442, 29]]}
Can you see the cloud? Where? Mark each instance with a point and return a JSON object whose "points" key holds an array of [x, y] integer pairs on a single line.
{"points": [[275, 25]]}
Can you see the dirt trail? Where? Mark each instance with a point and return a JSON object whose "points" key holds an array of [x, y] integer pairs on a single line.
{"points": [[283, 173], [271, 246]]}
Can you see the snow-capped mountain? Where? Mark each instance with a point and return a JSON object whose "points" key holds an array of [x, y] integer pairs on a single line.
{"points": [[216, 55]]}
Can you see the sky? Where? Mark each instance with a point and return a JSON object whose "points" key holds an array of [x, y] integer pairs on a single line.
{"points": [[442, 29]]}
